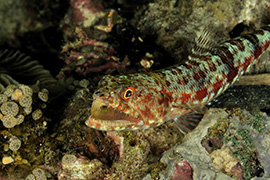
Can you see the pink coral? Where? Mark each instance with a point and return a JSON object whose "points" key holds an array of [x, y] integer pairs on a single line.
{"points": [[86, 10]]}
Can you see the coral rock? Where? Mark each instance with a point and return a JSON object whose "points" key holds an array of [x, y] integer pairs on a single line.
{"points": [[224, 159], [183, 171]]}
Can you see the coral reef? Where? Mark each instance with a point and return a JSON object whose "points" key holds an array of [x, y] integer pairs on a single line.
{"points": [[43, 135], [223, 147], [20, 136]]}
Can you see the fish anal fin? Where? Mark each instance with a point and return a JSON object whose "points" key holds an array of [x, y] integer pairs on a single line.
{"points": [[188, 121]]}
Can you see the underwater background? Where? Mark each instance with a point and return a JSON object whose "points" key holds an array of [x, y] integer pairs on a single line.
{"points": [[53, 54]]}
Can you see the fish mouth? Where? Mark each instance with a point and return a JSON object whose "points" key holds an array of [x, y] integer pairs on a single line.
{"points": [[106, 118]]}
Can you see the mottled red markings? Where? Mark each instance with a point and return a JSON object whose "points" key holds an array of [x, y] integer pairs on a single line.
{"points": [[194, 63], [185, 80], [252, 38], [196, 76], [161, 75], [205, 58], [179, 71], [265, 46], [202, 74], [110, 98], [162, 100], [212, 66], [231, 75], [187, 66], [146, 123], [174, 72], [257, 52], [185, 97], [148, 114], [182, 80], [254, 41], [193, 87], [226, 57], [188, 76], [147, 98], [219, 63], [200, 94], [247, 62], [117, 107], [169, 96], [97, 125], [120, 106], [111, 127], [217, 85], [179, 81], [167, 83], [239, 43]]}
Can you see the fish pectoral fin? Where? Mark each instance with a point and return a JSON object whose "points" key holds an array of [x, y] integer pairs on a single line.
{"points": [[188, 121], [198, 109]]}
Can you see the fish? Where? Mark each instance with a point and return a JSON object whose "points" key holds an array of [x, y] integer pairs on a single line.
{"points": [[180, 92]]}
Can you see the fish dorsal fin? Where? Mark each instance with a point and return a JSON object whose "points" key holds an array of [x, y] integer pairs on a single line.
{"points": [[188, 121], [203, 44]]}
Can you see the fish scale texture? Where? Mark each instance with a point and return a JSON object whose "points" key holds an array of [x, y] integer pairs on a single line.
{"points": [[170, 93]]}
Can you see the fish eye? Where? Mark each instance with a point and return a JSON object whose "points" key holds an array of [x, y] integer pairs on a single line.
{"points": [[128, 93], [103, 107]]}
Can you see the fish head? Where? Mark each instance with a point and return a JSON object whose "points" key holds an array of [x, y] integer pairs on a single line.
{"points": [[123, 103]]}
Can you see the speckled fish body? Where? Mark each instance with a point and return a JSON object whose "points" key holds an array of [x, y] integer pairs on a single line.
{"points": [[143, 100]]}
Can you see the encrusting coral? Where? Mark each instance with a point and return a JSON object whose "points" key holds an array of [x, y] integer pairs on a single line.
{"points": [[15, 143], [16, 103]]}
